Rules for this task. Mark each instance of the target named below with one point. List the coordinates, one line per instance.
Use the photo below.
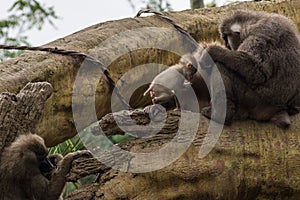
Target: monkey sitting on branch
(260, 67)
(28, 173)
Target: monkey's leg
(156, 112)
(260, 110)
(294, 105)
(276, 114)
(222, 96)
(281, 119)
(217, 115)
(58, 179)
(176, 103)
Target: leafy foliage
(75, 144)
(25, 15)
(70, 145)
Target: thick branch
(57, 120)
(260, 162)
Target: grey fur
(171, 81)
(261, 65)
(20, 174)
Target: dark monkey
(27, 173)
(260, 66)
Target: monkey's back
(274, 43)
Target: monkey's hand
(214, 52)
(55, 159)
(58, 179)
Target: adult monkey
(26, 171)
(261, 66)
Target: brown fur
(260, 66)
(20, 174)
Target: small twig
(169, 20)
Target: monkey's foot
(207, 112)
(281, 119)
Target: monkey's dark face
(189, 72)
(37, 155)
(232, 36)
(45, 165)
(232, 40)
(232, 28)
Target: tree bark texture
(20, 113)
(250, 161)
(57, 122)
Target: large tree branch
(57, 122)
(250, 161)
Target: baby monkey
(173, 80)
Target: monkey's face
(45, 164)
(189, 66)
(232, 41)
(232, 37)
(189, 72)
(233, 28)
(36, 155)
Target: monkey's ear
(236, 28)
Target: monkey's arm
(240, 62)
(58, 178)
